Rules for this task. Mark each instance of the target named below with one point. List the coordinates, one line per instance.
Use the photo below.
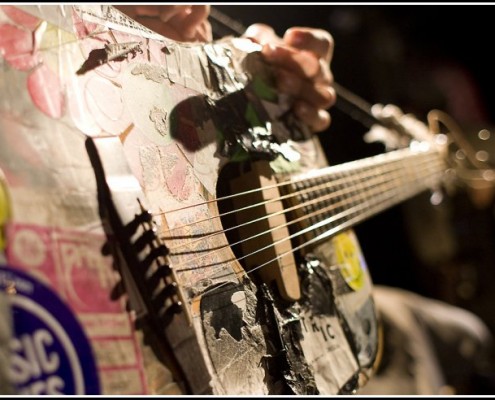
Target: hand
(302, 62)
(185, 23)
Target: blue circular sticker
(50, 353)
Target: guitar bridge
(264, 232)
(154, 269)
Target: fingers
(316, 119)
(318, 41)
(311, 99)
(204, 32)
(197, 16)
(301, 62)
(318, 95)
(279, 54)
(309, 60)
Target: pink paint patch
(46, 92)
(176, 180)
(16, 45)
(69, 261)
(21, 17)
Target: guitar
(191, 225)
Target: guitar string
(379, 160)
(296, 194)
(328, 221)
(425, 165)
(347, 224)
(325, 209)
(333, 195)
(309, 190)
(359, 173)
(335, 217)
(388, 198)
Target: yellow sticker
(349, 260)
(4, 211)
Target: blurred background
(418, 57)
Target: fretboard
(336, 198)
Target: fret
(350, 198)
(339, 197)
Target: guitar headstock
(470, 164)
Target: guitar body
(189, 120)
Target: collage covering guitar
(171, 227)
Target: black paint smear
(224, 313)
(99, 57)
(317, 291)
(228, 114)
(194, 108)
(350, 386)
(287, 372)
(95, 59)
(286, 335)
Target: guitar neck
(336, 198)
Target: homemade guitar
(173, 176)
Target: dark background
(418, 57)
